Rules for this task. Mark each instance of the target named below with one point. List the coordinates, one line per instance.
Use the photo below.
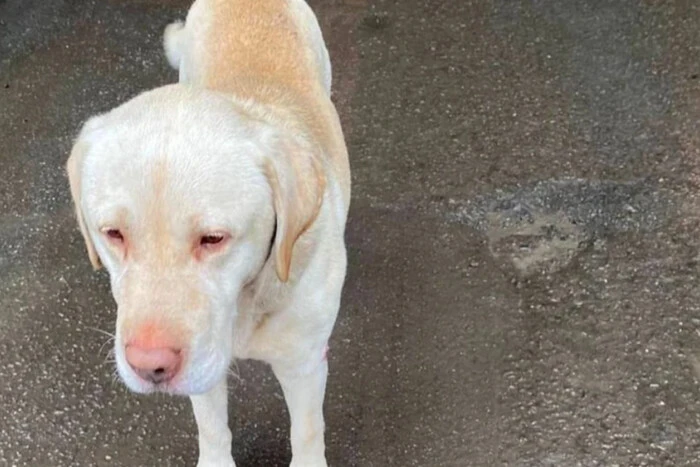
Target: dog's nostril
(157, 365)
(157, 376)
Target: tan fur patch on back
(256, 39)
(254, 50)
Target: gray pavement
(523, 241)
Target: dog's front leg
(211, 413)
(304, 391)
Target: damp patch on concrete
(545, 244)
(542, 227)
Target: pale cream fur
(248, 144)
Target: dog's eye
(211, 244)
(211, 239)
(114, 234)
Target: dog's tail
(173, 42)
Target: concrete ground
(523, 240)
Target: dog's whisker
(110, 357)
(114, 377)
(234, 371)
(102, 331)
(234, 374)
(102, 347)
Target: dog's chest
(253, 330)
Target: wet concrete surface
(523, 241)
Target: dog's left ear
(297, 180)
(74, 167)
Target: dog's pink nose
(157, 365)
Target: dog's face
(183, 198)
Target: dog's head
(184, 197)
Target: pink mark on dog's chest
(324, 355)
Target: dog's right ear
(74, 167)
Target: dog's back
(268, 51)
(226, 42)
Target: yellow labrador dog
(218, 206)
